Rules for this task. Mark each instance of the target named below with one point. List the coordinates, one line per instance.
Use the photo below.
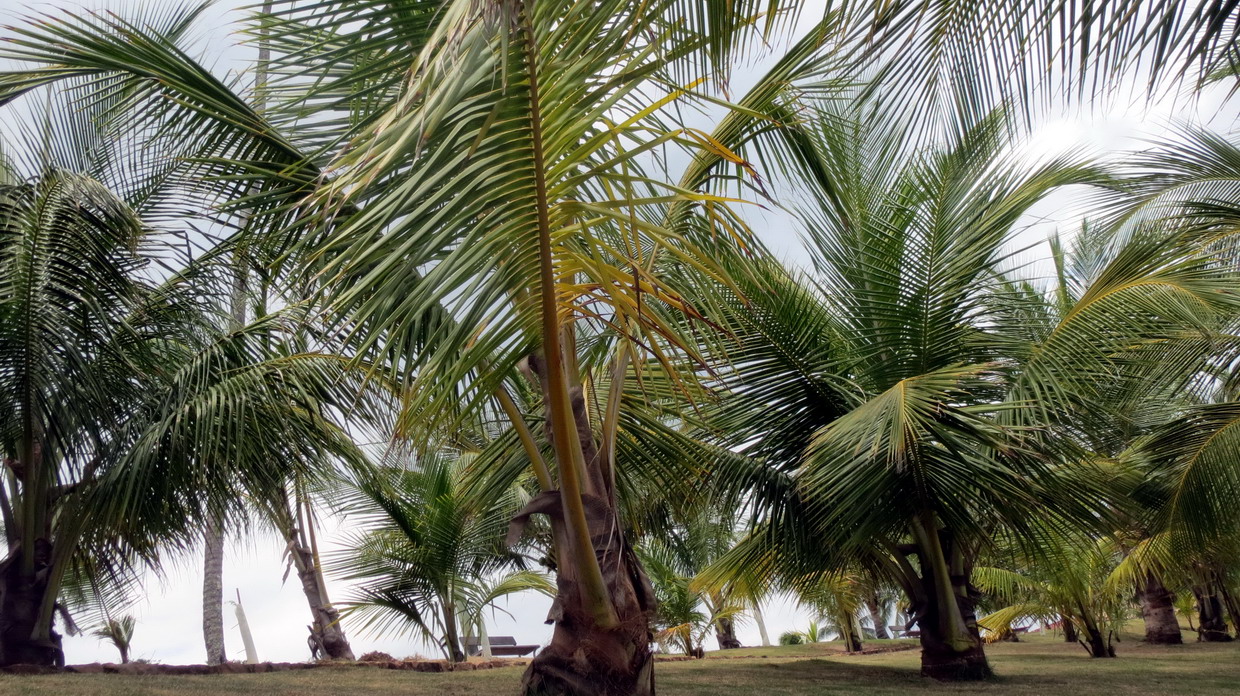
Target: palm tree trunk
(1212, 626)
(22, 593)
(452, 640)
(1069, 629)
(213, 591)
(484, 641)
(1233, 607)
(725, 633)
(326, 630)
(604, 602)
(849, 633)
(757, 618)
(1096, 643)
(877, 618)
(1158, 611)
(951, 646)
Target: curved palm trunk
(1097, 644)
(326, 631)
(327, 636)
(758, 619)
(1158, 612)
(213, 591)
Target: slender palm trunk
(1158, 612)
(758, 619)
(451, 638)
(124, 653)
(326, 632)
(877, 618)
(1233, 607)
(484, 641)
(213, 591)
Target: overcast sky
(169, 618)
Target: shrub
(376, 656)
(791, 638)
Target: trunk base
(20, 598)
(944, 664)
(1162, 627)
(596, 667)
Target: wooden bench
(501, 646)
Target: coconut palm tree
(119, 632)
(887, 395)
(430, 556)
(460, 328)
(1067, 583)
(127, 392)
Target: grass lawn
(1039, 665)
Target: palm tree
(126, 394)
(119, 632)
(567, 245)
(674, 557)
(1067, 583)
(888, 396)
(427, 550)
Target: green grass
(1039, 665)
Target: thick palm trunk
(1212, 626)
(22, 593)
(1158, 612)
(725, 633)
(213, 591)
(604, 602)
(951, 646)
(587, 657)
